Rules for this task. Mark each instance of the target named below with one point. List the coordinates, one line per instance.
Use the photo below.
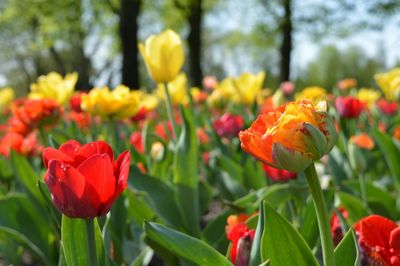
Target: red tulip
(84, 180)
(75, 102)
(136, 141)
(379, 240)
(241, 238)
(228, 125)
(336, 226)
(278, 175)
(348, 106)
(386, 107)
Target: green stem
(91, 242)
(363, 189)
(322, 215)
(170, 112)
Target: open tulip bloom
(84, 180)
(291, 138)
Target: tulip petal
(122, 169)
(70, 147)
(98, 172)
(375, 231)
(290, 160)
(51, 153)
(96, 147)
(260, 147)
(69, 191)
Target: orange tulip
(363, 141)
(291, 137)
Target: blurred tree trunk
(286, 45)
(195, 42)
(83, 66)
(193, 12)
(128, 29)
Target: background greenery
(98, 39)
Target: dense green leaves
(18, 216)
(184, 246)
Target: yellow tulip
(118, 103)
(248, 86)
(176, 89)
(368, 96)
(6, 97)
(389, 83)
(147, 101)
(313, 93)
(243, 89)
(163, 55)
(54, 86)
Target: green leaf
(279, 236)
(353, 205)
(184, 246)
(160, 196)
(27, 177)
(18, 217)
(254, 175)
(73, 236)
(346, 252)
(186, 178)
(309, 224)
(380, 201)
(390, 153)
(255, 253)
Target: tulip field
(230, 173)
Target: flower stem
(322, 215)
(91, 242)
(363, 189)
(170, 112)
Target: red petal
(69, 191)
(97, 147)
(53, 154)
(375, 231)
(122, 169)
(98, 172)
(395, 239)
(70, 147)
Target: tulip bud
(163, 55)
(244, 248)
(157, 151)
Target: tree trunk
(83, 66)
(128, 29)
(194, 41)
(286, 45)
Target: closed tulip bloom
(291, 137)
(163, 55)
(84, 180)
(348, 106)
(313, 93)
(248, 85)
